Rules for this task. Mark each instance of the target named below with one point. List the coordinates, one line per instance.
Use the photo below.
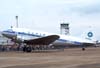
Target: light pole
(16, 21)
(16, 27)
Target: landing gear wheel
(28, 49)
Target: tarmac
(69, 58)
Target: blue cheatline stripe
(67, 41)
(78, 43)
(62, 40)
(22, 33)
(9, 31)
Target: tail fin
(88, 35)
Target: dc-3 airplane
(38, 38)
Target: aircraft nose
(8, 34)
(4, 33)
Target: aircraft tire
(28, 49)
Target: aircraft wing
(42, 41)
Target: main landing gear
(27, 49)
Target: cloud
(87, 7)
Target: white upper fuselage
(27, 34)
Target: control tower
(64, 28)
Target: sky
(47, 15)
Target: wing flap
(42, 41)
